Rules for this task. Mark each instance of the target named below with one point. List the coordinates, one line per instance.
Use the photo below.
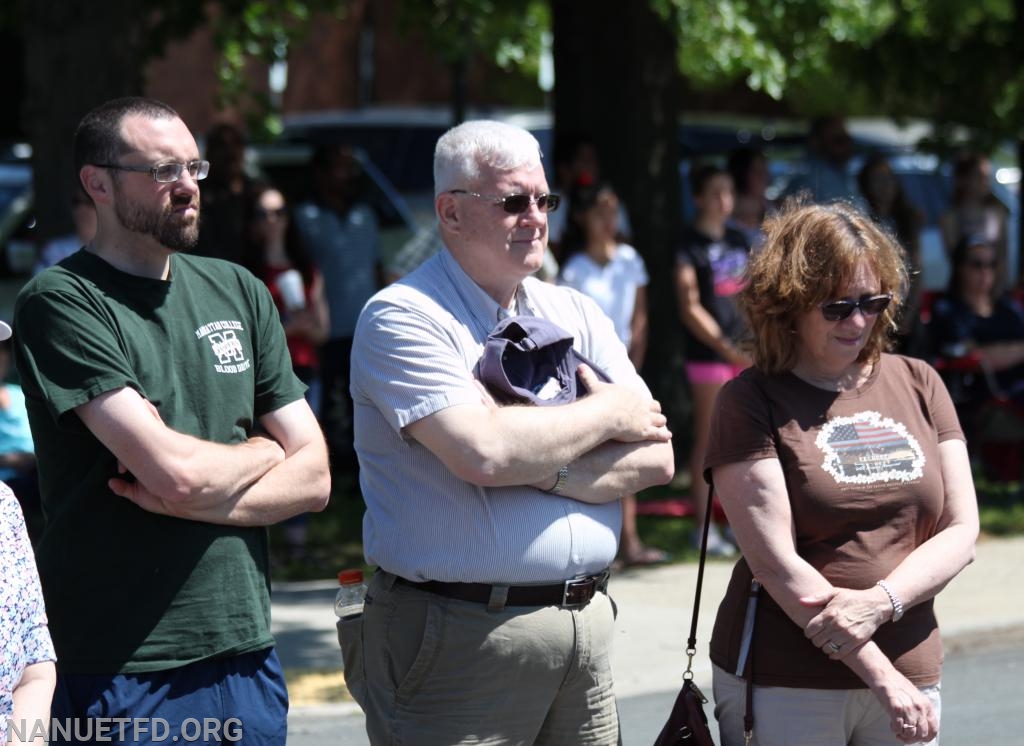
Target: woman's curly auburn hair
(809, 256)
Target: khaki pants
(785, 716)
(429, 670)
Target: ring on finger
(909, 726)
(833, 648)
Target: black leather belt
(571, 594)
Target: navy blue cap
(530, 360)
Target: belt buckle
(577, 592)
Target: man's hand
(637, 417)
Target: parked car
(17, 221)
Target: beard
(171, 231)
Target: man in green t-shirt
(170, 430)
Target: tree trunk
(78, 53)
(615, 81)
(1018, 281)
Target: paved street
(981, 615)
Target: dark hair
(567, 145)
(253, 255)
(225, 149)
(738, 165)
(701, 174)
(582, 196)
(98, 136)
(326, 155)
(964, 164)
(820, 125)
(958, 259)
(906, 219)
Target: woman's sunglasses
(869, 305)
(517, 204)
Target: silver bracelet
(563, 477)
(897, 605)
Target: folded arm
(922, 573)
(614, 469)
(753, 494)
(258, 482)
(504, 446)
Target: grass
(335, 535)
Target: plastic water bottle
(349, 600)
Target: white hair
(463, 150)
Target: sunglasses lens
(874, 306)
(841, 309)
(548, 202)
(516, 203)
(838, 310)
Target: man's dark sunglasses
(869, 305)
(517, 204)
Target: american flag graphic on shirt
(867, 447)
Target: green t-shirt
(128, 590)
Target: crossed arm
(753, 495)
(614, 440)
(261, 481)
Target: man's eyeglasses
(165, 173)
(869, 305)
(982, 264)
(517, 204)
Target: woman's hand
(912, 717)
(847, 619)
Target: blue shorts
(239, 699)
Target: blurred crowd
(321, 259)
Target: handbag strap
(691, 642)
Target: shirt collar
(486, 311)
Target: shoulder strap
(691, 642)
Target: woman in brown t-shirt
(845, 476)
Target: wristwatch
(563, 477)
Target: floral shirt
(24, 636)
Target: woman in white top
(611, 272)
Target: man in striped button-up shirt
(477, 515)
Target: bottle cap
(348, 577)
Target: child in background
(708, 275)
(611, 272)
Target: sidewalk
(654, 605)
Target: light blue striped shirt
(416, 347)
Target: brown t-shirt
(864, 482)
